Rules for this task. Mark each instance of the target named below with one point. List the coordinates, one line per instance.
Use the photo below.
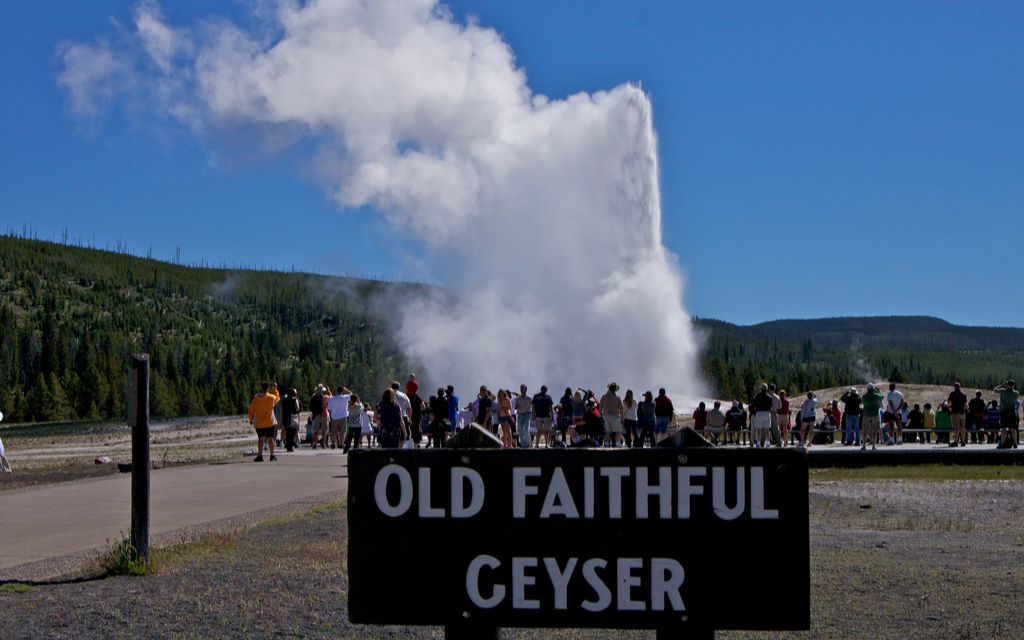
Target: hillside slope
(71, 316)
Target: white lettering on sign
(718, 494)
(615, 475)
(757, 510)
(520, 581)
(473, 583)
(626, 581)
(666, 579)
(520, 489)
(604, 596)
(588, 492)
(664, 575)
(645, 490)
(380, 490)
(427, 511)
(460, 475)
(558, 500)
(687, 489)
(559, 496)
(560, 580)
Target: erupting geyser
(542, 215)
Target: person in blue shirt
(453, 407)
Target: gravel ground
(889, 559)
(48, 453)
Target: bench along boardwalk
(664, 539)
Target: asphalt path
(76, 518)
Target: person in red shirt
(411, 387)
(700, 418)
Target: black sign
(657, 538)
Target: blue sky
(818, 158)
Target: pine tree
(59, 408)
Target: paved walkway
(76, 517)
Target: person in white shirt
(894, 408)
(366, 424)
(716, 422)
(337, 407)
(405, 404)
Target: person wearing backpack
(389, 419)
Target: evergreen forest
(71, 316)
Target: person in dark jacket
(851, 422)
(439, 423)
(761, 422)
(389, 419)
(290, 409)
(976, 417)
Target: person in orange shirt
(261, 416)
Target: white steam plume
(542, 215)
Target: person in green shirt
(872, 401)
(943, 423)
(1008, 398)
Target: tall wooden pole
(138, 420)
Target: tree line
(71, 316)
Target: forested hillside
(70, 317)
(815, 354)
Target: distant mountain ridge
(820, 353)
(919, 332)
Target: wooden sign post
(138, 420)
(657, 539)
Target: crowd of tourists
(865, 419)
(405, 417)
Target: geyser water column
(542, 215)
(561, 273)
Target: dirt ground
(46, 453)
(895, 559)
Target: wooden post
(138, 420)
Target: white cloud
(161, 42)
(549, 208)
(92, 75)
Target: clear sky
(818, 158)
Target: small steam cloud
(862, 367)
(543, 215)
